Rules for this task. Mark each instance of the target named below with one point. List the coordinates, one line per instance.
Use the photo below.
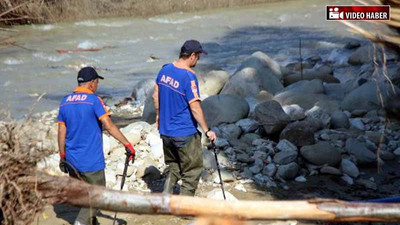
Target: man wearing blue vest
(80, 138)
(176, 98)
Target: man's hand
(158, 122)
(63, 163)
(211, 135)
(130, 151)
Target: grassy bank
(14, 12)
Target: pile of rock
(276, 123)
(314, 149)
(149, 157)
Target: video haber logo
(374, 12)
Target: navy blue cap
(88, 74)
(191, 46)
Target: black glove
(211, 146)
(63, 165)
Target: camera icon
(334, 14)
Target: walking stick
(123, 179)
(219, 170)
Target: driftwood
(64, 51)
(67, 190)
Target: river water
(229, 35)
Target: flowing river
(136, 48)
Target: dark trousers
(184, 158)
(87, 216)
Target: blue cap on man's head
(191, 46)
(88, 74)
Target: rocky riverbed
(283, 132)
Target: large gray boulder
(393, 71)
(149, 113)
(299, 133)
(203, 68)
(321, 153)
(285, 157)
(307, 100)
(349, 168)
(256, 74)
(295, 112)
(339, 119)
(320, 114)
(353, 44)
(271, 116)
(257, 167)
(365, 96)
(230, 131)
(261, 60)
(220, 109)
(249, 138)
(357, 123)
(335, 91)
(360, 151)
(269, 170)
(254, 101)
(285, 145)
(323, 73)
(306, 86)
(248, 125)
(143, 89)
(212, 82)
(330, 170)
(361, 55)
(288, 171)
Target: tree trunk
(67, 190)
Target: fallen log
(219, 221)
(65, 51)
(67, 190)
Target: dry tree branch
(28, 116)
(363, 2)
(14, 8)
(380, 98)
(384, 70)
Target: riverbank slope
(38, 11)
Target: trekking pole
(123, 180)
(219, 170)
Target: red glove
(130, 151)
